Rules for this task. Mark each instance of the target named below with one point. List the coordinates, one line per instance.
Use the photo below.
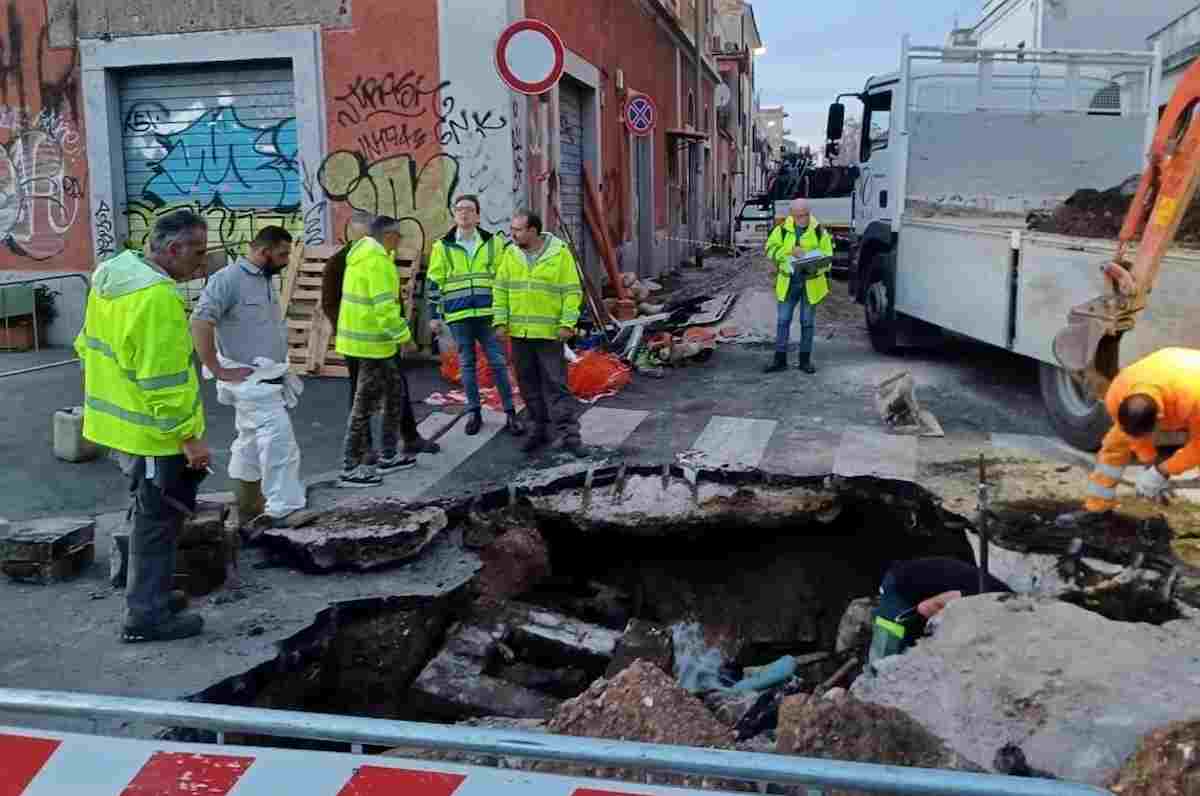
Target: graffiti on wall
(395, 186)
(39, 200)
(518, 147)
(106, 242)
(394, 117)
(239, 176)
(40, 190)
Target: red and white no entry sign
(530, 56)
(640, 115)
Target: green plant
(44, 299)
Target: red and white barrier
(35, 763)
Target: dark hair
(174, 226)
(1138, 415)
(382, 225)
(270, 237)
(469, 197)
(531, 218)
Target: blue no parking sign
(640, 115)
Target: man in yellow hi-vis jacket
(371, 327)
(536, 301)
(801, 251)
(142, 399)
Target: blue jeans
(466, 333)
(797, 297)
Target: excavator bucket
(1090, 353)
(1076, 343)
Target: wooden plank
(323, 251)
(309, 281)
(318, 342)
(306, 295)
(289, 277)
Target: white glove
(1152, 484)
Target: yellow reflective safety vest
(141, 393)
(779, 248)
(535, 300)
(460, 286)
(371, 323)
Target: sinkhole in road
(721, 571)
(709, 574)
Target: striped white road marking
(865, 451)
(732, 442)
(608, 428)
(457, 447)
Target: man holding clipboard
(802, 252)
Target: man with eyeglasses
(462, 270)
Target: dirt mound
(1089, 213)
(847, 729)
(642, 703)
(1166, 763)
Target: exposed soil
(1089, 213)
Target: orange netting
(595, 374)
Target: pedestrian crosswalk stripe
(865, 451)
(732, 442)
(608, 428)
(457, 447)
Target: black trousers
(542, 373)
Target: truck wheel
(881, 320)
(1077, 417)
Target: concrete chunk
(364, 539)
(70, 565)
(454, 684)
(47, 540)
(542, 635)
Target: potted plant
(45, 301)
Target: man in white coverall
(241, 338)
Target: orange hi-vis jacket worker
(1170, 378)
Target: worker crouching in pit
(1159, 393)
(801, 250)
(913, 592)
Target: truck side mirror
(836, 121)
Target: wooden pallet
(310, 335)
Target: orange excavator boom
(1089, 346)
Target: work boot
(805, 364)
(536, 440)
(181, 625)
(421, 445)
(778, 364)
(250, 500)
(514, 425)
(474, 423)
(177, 601)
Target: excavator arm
(1089, 346)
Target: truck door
(873, 200)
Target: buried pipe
(734, 765)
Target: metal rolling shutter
(221, 141)
(570, 178)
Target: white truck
(964, 143)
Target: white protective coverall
(265, 448)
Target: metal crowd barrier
(730, 765)
(87, 285)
